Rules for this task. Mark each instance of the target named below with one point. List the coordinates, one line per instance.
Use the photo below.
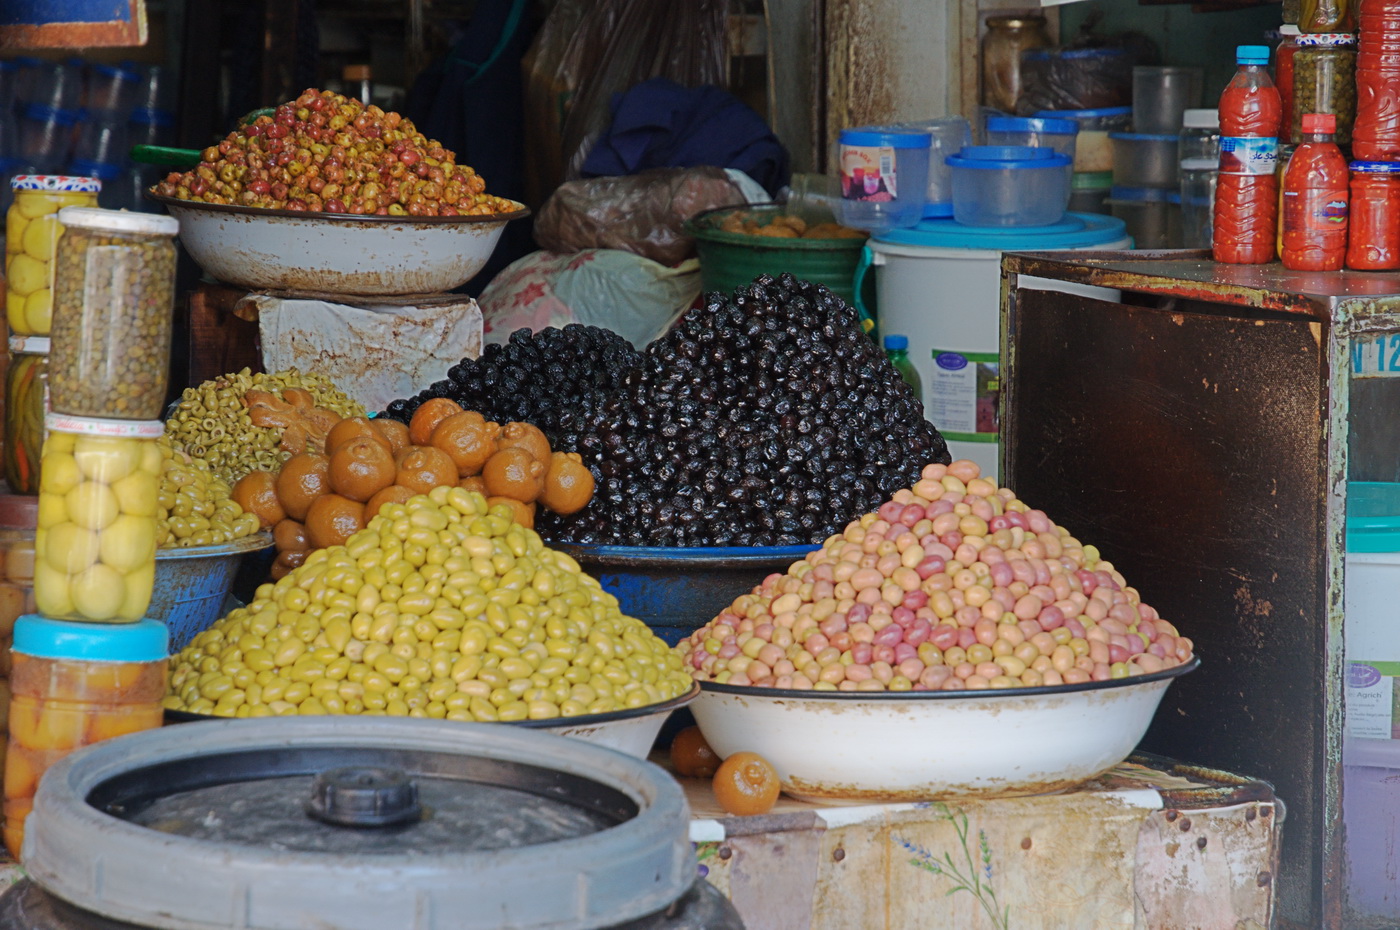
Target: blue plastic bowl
(676, 591)
(191, 585)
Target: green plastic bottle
(897, 351)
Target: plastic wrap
(685, 42)
(641, 213)
(635, 297)
(1075, 79)
(586, 51)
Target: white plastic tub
(1009, 185)
(940, 285)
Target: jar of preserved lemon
(26, 403)
(72, 685)
(31, 234)
(95, 550)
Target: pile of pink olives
(953, 584)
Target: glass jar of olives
(72, 685)
(95, 549)
(31, 230)
(114, 288)
(1324, 81)
(26, 402)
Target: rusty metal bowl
(676, 590)
(918, 745)
(365, 256)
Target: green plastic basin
(729, 260)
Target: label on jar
(962, 394)
(1248, 154)
(868, 173)
(91, 426)
(1371, 698)
(1377, 357)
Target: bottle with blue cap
(897, 351)
(72, 685)
(1246, 196)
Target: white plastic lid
(29, 345)
(1200, 119)
(145, 224)
(1289, 29)
(92, 426)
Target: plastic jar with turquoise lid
(884, 176)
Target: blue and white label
(1370, 700)
(962, 391)
(1248, 154)
(1376, 357)
(950, 361)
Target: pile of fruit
(954, 584)
(195, 507)
(763, 418)
(214, 422)
(784, 226)
(441, 607)
(321, 497)
(326, 153)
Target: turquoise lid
(143, 641)
(1075, 231)
(1373, 516)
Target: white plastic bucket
(947, 300)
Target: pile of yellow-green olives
(441, 607)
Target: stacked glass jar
(88, 666)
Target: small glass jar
(73, 685)
(1373, 223)
(113, 302)
(31, 232)
(95, 549)
(16, 600)
(1006, 38)
(1324, 81)
(26, 403)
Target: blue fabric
(660, 124)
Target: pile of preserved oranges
(321, 498)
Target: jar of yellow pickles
(31, 235)
(95, 550)
(26, 403)
(72, 685)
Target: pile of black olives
(763, 418)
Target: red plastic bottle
(1315, 198)
(1375, 136)
(1246, 195)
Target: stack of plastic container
(152, 122)
(87, 666)
(51, 110)
(1093, 154)
(102, 148)
(1199, 148)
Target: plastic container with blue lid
(884, 176)
(1152, 214)
(1092, 151)
(75, 684)
(1058, 134)
(1145, 159)
(1009, 185)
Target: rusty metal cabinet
(1201, 432)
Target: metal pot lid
(359, 824)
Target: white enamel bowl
(909, 746)
(333, 253)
